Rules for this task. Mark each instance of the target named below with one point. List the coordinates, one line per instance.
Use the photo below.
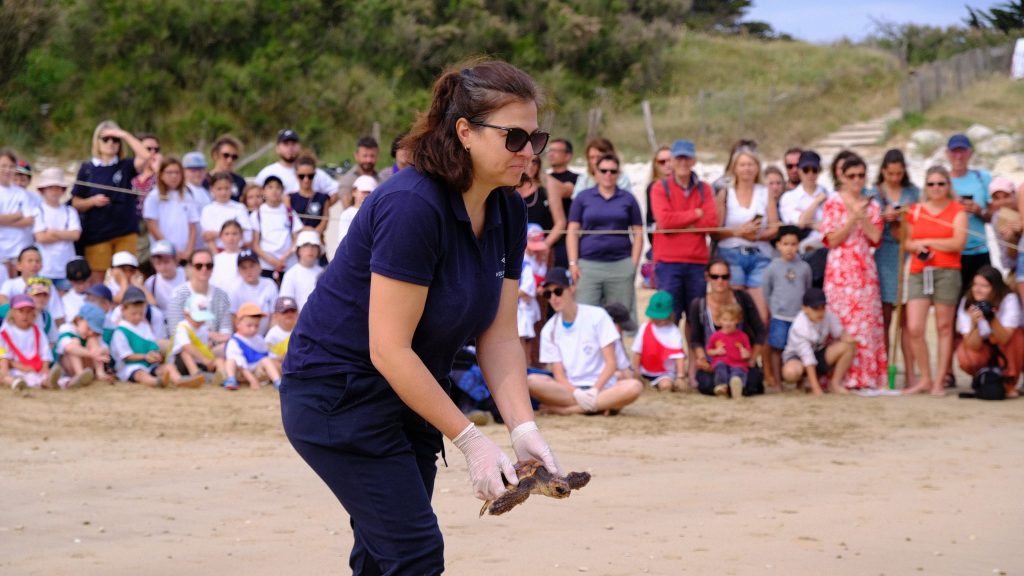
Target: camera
(986, 310)
(924, 255)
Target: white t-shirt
(1009, 315)
(275, 336)
(225, 271)
(25, 341)
(181, 338)
(232, 351)
(737, 215)
(72, 302)
(578, 347)
(793, 203)
(263, 294)
(528, 311)
(12, 240)
(157, 321)
(56, 255)
(668, 336)
(15, 286)
(28, 233)
(61, 343)
(299, 282)
(322, 182)
(345, 221)
(173, 216)
(163, 289)
(276, 226)
(120, 349)
(202, 197)
(216, 214)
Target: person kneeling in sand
(809, 351)
(578, 344)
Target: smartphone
(966, 198)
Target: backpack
(988, 381)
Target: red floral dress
(851, 286)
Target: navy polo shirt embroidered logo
(116, 179)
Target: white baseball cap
(162, 248)
(365, 183)
(125, 259)
(198, 307)
(308, 237)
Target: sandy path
(120, 480)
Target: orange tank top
(928, 225)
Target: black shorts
(822, 368)
(180, 365)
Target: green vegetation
(190, 71)
(995, 103)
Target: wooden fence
(928, 84)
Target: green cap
(660, 306)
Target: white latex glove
(587, 399)
(528, 443)
(486, 463)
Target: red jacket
(677, 210)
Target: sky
(829, 20)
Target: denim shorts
(746, 266)
(778, 333)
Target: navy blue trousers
(683, 281)
(379, 458)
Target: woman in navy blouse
(431, 261)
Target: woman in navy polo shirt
(110, 220)
(432, 260)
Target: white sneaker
(53, 378)
(19, 384)
(736, 387)
(83, 379)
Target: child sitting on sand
(246, 352)
(817, 345)
(136, 351)
(658, 347)
(729, 350)
(27, 356)
(80, 346)
(286, 314)
(191, 348)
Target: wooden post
(375, 131)
(649, 125)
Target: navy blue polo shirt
(594, 212)
(414, 230)
(313, 206)
(118, 218)
(237, 186)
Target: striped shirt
(220, 305)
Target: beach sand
(125, 480)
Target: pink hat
(1001, 184)
(535, 238)
(22, 301)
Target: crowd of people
(165, 271)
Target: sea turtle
(534, 478)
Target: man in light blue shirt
(971, 186)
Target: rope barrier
(713, 230)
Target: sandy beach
(125, 480)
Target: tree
(1006, 18)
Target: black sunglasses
(305, 176)
(936, 184)
(810, 170)
(719, 276)
(556, 291)
(202, 265)
(109, 139)
(516, 138)
(790, 166)
(227, 156)
(152, 149)
(664, 160)
(608, 170)
(857, 175)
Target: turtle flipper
(508, 501)
(577, 480)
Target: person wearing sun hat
(246, 353)
(56, 226)
(300, 280)
(191, 347)
(27, 355)
(1006, 220)
(658, 347)
(578, 344)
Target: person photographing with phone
(432, 259)
(971, 187)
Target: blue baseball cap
(959, 141)
(194, 160)
(684, 148)
(93, 315)
(100, 291)
(558, 275)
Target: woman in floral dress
(852, 225)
